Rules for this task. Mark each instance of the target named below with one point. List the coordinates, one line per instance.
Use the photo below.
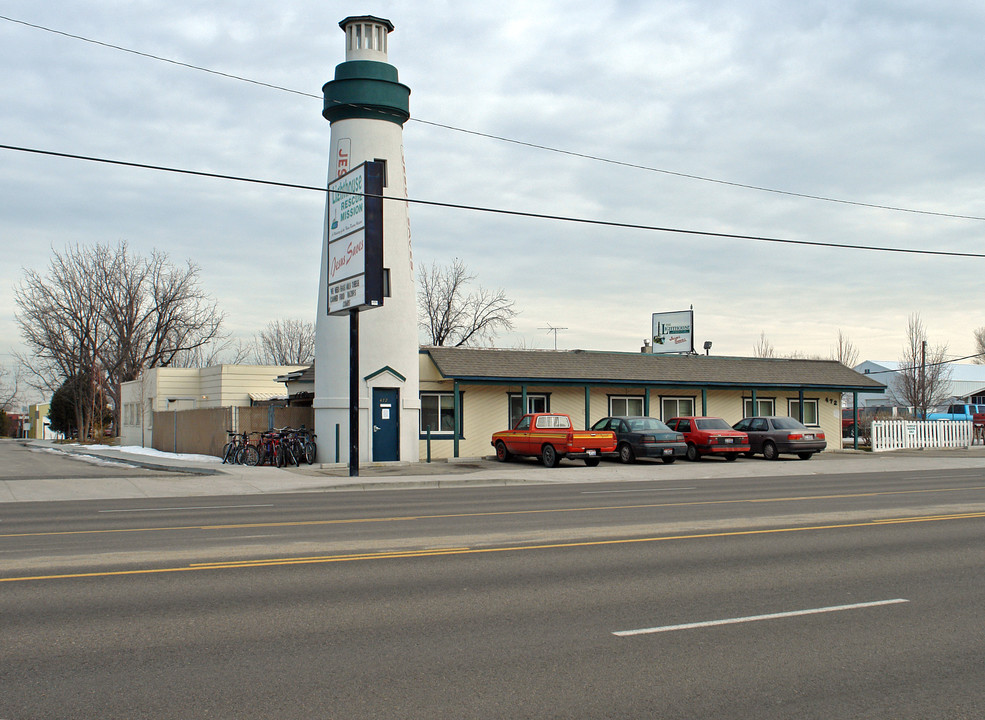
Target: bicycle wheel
(251, 456)
(310, 451)
(227, 451)
(279, 459)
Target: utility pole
(923, 380)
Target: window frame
(626, 398)
(519, 398)
(442, 434)
(791, 412)
(747, 402)
(677, 399)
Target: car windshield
(642, 424)
(712, 424)
(782, 423)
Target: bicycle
(309, 449)
(269, 448)
(290, 448)
(249, 453)
(231, 449)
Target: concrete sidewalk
(182, 477)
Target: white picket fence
(910, 434)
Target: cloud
(871, 102)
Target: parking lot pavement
(184, 476)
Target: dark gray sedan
(644, 437)
(774, 435)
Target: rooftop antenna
(551, 329)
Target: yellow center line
(449, 516)
(439, 552)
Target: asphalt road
(20, 463)
(813, 597)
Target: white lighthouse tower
(367, 107)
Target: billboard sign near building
(673, 332)
(355, 240)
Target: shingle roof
(596, 367)
(305, 375)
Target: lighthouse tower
(367, 107)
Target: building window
(383, 162)
(764, 407)
(438, 412)
(676, 407)
(535, 404)
(810, 411)
(625, 406)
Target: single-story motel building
(489, 389)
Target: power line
(157, 57)
(927, 365)
(500, 138)
(500, 211)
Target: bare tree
(924, 376)
(221, 350)
(979, 359)
(9, 381)
(763, 348)
(286, 342)
(450, 314)
(104, 314)
(61, 322)
(845, 351)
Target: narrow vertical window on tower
(383, 162)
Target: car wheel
(626, 454)
(804, 455)
(668, 460)
(502, 454)
(592, 461)
(731, 457)
(692, 453)
(549, 456)
(769, 451)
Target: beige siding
(485, 410)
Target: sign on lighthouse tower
(366, 263)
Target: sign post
(355, 267)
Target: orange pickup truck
(550, 437)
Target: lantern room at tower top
(366, 85)
(365, 37)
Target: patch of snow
(137, 450)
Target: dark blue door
(386, 424)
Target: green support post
(588, 407)
(704, 401)
(458, 410)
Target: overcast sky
(866, 103)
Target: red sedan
(710, 436)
